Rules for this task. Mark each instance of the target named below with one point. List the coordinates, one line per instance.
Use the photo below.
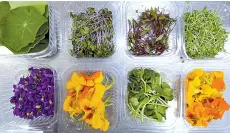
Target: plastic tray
(78, 7)
(215, 125)
(224, 12)
(129, 12)
(117, 66)
(112, 111)
(8, 121)
(52, 47)
(172, 113)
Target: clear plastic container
(51, 49)
(70, 126)
(10, 75)
(172, 113)
(129, 12)
(224, 12)
(81, 6)
(215, 125)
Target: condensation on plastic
(68, 125)
(172, 77)
(81, 6)
(216, 125)
(224, 12)
(10, 75)
(52, 47)
(129, 12)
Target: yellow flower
(67, 103)
(195, 73)
(98, 94)
(218, 74)
(99, 79)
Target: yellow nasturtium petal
(66, 105)
(199, 72)
(99, 79)
(98, 95)
(78, 87)
(75, 77)
(82, 80)
(105, 126)
(89, 83)
(97, 122)
(196, 82)
(70, 85)
(219, 74)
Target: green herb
(204, 35)
(148, 95)
(149, 34)
(24, 27)
(92, 34)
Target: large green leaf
(20, 27)
(41, 46)
(32, 45)
(4, 9)
(39, 5)
(43, 28)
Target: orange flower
(218, 83)
(85, 94)
(204, 99)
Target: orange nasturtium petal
(95, 75)
(218, 83)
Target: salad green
(148, 95)
(24, 27)
(204, 34)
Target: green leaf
(161, 109)
(43, 29)
(46, 14)
(41, 8)
(165, 85)
(20, 27)
(40, 47)
(31, 45)
(134, 101)
(39, 5)
(160, 37)
(159, 116)
(4, 8)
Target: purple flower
(34, 94)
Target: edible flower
(34, 94)
(84, 98)
(204, 98)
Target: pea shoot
(148, 95)
(92, 33)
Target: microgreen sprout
(92, 33)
